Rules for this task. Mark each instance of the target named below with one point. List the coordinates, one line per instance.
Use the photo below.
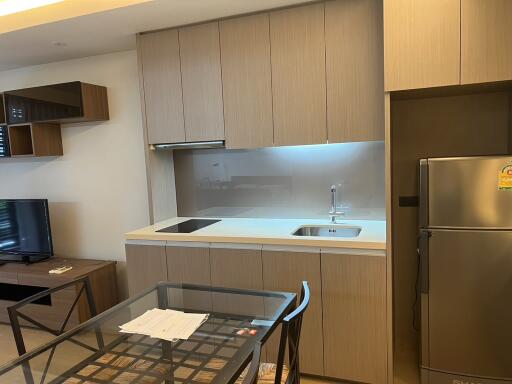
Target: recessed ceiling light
(8, 7)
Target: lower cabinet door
(146, 265)
(285, 271)
(354, 322)
(237, 268)
(189, 265)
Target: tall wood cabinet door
(354, 322)
(285, 271)
(298, 75)
(202, 82)
(159, 59)
(355, 74)
(246, 81)
(146, 265)
(421, 43)
(237, 268)
(486, 40)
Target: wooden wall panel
(389, 235)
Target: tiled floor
(35, 338)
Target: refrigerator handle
(423, 240)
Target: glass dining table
(217, 352)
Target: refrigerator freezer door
(470, 303)
(464, 193)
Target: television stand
(18, 281)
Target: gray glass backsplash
(284, 182)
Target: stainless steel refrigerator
(465, 246)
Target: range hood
(191, 145)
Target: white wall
(97, 190)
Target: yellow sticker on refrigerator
(505, 178)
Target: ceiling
(77, 28)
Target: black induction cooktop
(189, 226)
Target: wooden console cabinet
(18, 280)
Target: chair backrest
(290, 334)
(83, 286)
(252, 374)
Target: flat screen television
(25, 233)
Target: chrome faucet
(334, 213)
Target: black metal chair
(279, 373)
(83, 287)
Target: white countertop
(268, 232)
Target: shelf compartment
(20, 140)
(35, 139)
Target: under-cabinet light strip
(196, 144)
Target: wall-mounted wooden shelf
(58, 103)
(33, 116)
(35, 139)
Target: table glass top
(97, 352)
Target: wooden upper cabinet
(202, 82)
(247, 81)
(355, 74)
(298, 75)
(421, 43)
(160, 63)
(486, 41)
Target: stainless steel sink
(327, 231)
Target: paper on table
(165, 324)
(144, 322)
(178, 326)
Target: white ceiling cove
(113, 30)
